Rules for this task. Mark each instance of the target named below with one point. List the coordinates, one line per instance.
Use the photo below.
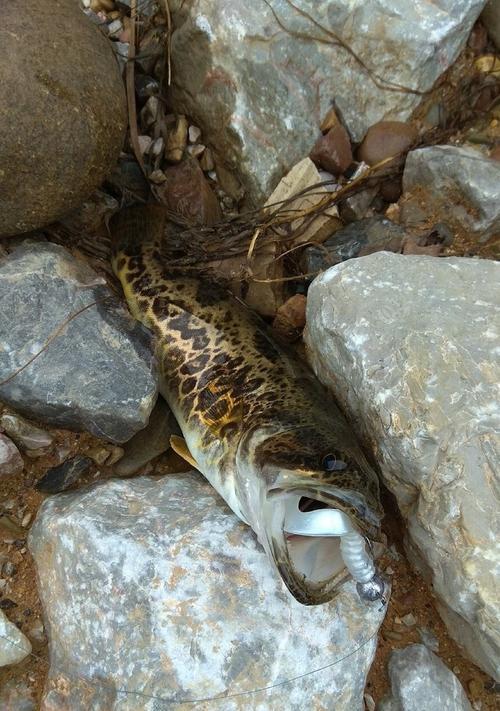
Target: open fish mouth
(317, 546)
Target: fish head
(305, 471)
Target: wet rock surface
(70, 119)
(420, 680)
(187, 607)
(14, 645)
(460, 183)
(259, 89)
(97, 374)
(408, 345)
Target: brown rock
(64, 122)
(391, 190)
(385, 139)
(333, 150)
(291, 317)
(176, 140)
(187, 194)
(495, 153)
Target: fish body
(258, 424)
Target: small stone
(176, 140)
(3, 583)
(196, 150)
(37, 632)
(26, 435)
(144, 143)
(194, 134)
(115, 27)
(475, 687)
(26, 520)
(62, 477)
(187, 194)
(157, 147)
(149, 112)
(14, 645)
(9, 529)
(385, 139)
(429, 639)
(409, 620)
(332, 151)
(98, 454)
(389, 570)
(146, 86)
(207, 163)
(290, 318)
(329, 121)
(115, 454)
(11, 462)
(9, 569)
(369, 702)
(157, 177)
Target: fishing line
(219, 697)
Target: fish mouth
(311, 566)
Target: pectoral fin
(180, 447)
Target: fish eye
(332, 464)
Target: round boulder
(385, 139)
(63, 117)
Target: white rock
(14, 645)
(411, 347)
(260, 92)
(420, 680)
(459, 183)
(154, 586)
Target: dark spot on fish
(188, 385)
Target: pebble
(157, 177)
(157, 147)
(429, 639)
(26, 435)
(11, 462)
(385, 139)
(9, 529)
(290, 318)
(176, 140)
(115, 27)
(62, 477)
(369, 702)
(14, 645)
(196, 150)
(207, 163)
(188, 194)
(194, 134)
(149, 112)
(8, 569)
(332, 151)
(146, 86)
(26, 520)
(144, 143)
(475, 687)
(409, 620)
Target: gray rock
(65, 475)
(96, 373)
(410, 346)
(25, 434)
(16, 696)
(362, 237)
(259, 91)
(420, 680)
(169, 595)
(458, 183)
(491, 20)
(11, 461)
(14, 645)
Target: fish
(254, 419)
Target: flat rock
(420, 680)
(459, 185)
(258, 78)
(410, 346)
(64, 122)
(14, 645)
(97, 373)
(152, 585)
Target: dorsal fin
(180, 447)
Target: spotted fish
(257, 423)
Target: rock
(171, 596)
(176, 140)
(65, 475)
(11, 462)
(25, 434)
(14, 645)
(490, 18)
(420, 680)
(409, 344)
(150, 442)
(385, 139)
(64, 124)
(16, 696)
(258, 90)
(97, 372)
(291, 317)
(128, 179)
(459, 184)
(10, 531)
(333, 150)
(495, 153)
(187, 193)
(372, 234)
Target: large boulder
(70, 354)
(259, 77)
(410, 346)
(62, 115)
(155, 593)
